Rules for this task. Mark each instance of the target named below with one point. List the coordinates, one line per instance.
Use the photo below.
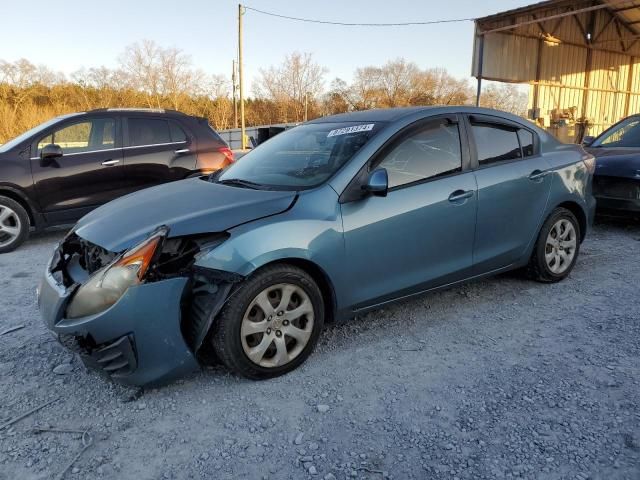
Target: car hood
(617, 162)
(187, 207)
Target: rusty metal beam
(551, 17)
(539, 24)
(587, 69)
(545, 83)
(573, 44)
(627, 100)
(606, 25)
(622, 45)
(632, 44)
(624, 9)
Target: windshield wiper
(242, 183)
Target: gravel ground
(503, 378)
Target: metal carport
(581, 59)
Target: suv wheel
(270, 324)
(557, 247)
(14, 224)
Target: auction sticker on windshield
(356, 128)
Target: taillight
(226, 151)
(590, 162)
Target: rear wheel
(557, 247)
(14, 224)
(270, 324)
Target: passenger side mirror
(377, 183)
(49, 153)
(588, 140)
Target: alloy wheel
(560, 248)
(277, 325)
(9, 226)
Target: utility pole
(235, 95)
(305, 106)
(240, 74)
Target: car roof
(139, 111)
(393, 114)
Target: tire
(249, 341)
(553, 257)
(14, 224)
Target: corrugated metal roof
(579, 56)
(628, 11)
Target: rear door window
(148, 131)
(495, 143)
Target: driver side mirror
(588, 140)
(49, 153)
(377, 183)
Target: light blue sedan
(330, 219)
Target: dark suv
(58, 171)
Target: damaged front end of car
(141, 316)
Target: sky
(75, 34)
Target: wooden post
(235, 94)
(480, 64)
(241, 75)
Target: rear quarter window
(526, 142)
(177, 133)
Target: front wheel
(557, 247)
(14, 224)
(270, 324)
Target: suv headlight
(106, 286)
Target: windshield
(24, 136)
(626, 134)
(302, 157)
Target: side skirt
(374, 306)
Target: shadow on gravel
(619, 223)
(48, 235)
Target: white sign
(356, 128)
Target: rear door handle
(460, 195)
(538, 174)
(181, 151)
(110, 163)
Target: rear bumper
(137, 341)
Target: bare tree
(506, 96)
(397, 82)
(142, 63)
(296, 80)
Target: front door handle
(460, 195)
(110, 163)
(538, 175)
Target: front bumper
(137, 341)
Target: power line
(348, 24)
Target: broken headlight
(106, 286)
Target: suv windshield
(626, 134)
(302, 157)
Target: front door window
(432, 151)
(92, 135)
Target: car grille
(616, 187)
